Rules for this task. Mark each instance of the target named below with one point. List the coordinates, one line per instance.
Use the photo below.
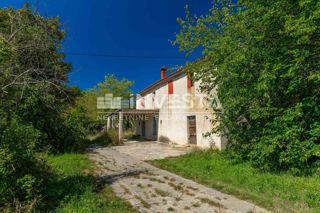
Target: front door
(192, 130)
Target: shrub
(62, 127)
(114, 136)
(74, 130)
(106, 138)
(286, 143)
(261, 60)
(100, 139)
(22, 171)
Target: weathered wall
(149, 127)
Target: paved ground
(151, 150)
(150, 189)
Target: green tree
(263, 59)
(29, 55)
(35, 104)
(34, 75)
(110, 85)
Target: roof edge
(161, 82)
(173, 75)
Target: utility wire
(126, 56)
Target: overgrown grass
(108, 138)
(277, 192)
(75, 189)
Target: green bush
(261, 58)
(286, 143)
(22, 171)
(74, 130)
(62, 127)
(106, 138)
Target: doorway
(192, 129)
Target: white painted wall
(172, 122)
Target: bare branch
(16, 32)
(14, 81)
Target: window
(170, 87)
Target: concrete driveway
(151, 150)
(150, 189)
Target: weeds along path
(150, 189)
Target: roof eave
(161, 82)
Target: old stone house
(175, 111)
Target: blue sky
(118, 27)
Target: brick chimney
(163, 72)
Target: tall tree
(29, 55)
(263, 59)
(33, 103)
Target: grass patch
(278, 192)
(70, 164)
(75, 189)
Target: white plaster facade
(172, 123)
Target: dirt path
(150, 189)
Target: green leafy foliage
(88, 99)
(262, 59)
(29, 52)
(62, 127)
(22, 174)
(36, 111)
